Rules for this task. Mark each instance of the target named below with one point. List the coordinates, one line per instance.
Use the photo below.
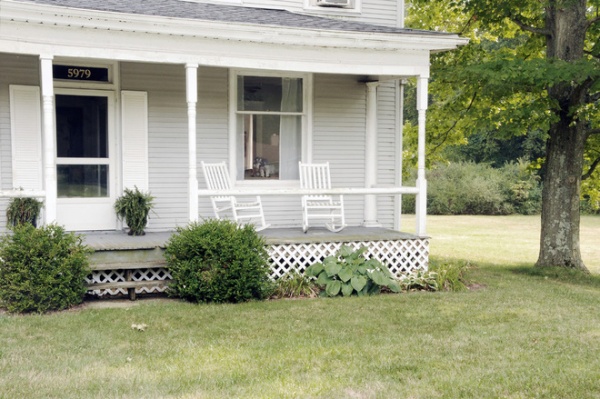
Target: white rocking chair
(325, 207)
(218, 179)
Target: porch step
(132, 271)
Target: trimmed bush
(218, 261)
(42, 269)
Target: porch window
(269, 127)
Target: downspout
(370, 212)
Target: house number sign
(79, 73)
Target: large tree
(532, 64)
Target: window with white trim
(269, 118)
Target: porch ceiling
(171, 31)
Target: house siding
(386, 150)
(14, 70)
(339, 135)
(167, 138)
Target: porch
(123, 264)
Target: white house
(98, 96)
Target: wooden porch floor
(118, 240)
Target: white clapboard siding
(134, 111)
(386, 149)
(339, 135)
(26, 137)
(167, 139)
(14, 69)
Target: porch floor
(118, 240)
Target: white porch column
(371, 156)
(47, 83)
(191, 75)
(421, 201)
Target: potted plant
(133, 207)
(23, 210)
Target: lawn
(520, 334)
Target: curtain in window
(290, 129)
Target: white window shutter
(134, 117)
(26, 137)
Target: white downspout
(371, 156)
(399, 151)
(191, 75)
(421, 201)
(47, 83)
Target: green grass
(523, 333)
(500, 240)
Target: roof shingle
(226, 13)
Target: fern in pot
(134, 207)
(22, 210)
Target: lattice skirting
(401, 257)
(122, 275)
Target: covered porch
(123, 264)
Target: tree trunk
(559, 244)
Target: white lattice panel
(401, 256)
(113, 276)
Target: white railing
(299, 191)
(22, 193)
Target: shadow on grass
(564, 275)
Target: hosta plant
(419, 280)
(350, 273)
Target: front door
(84, 169)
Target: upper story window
(269, 118)
(333, 6)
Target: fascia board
(277, 35)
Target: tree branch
(592, 22)
(591, 170)
(591, 132)
(591, 54)
(447, 133)
(528, 28)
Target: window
(269, 119)
(333, 6)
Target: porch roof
(228, 13)
(173, 31)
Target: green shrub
(218, 261)
(295, 285)
(351, 273)
(42, 269)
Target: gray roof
(226, 13)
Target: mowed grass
(519, 334)
(500, 240)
